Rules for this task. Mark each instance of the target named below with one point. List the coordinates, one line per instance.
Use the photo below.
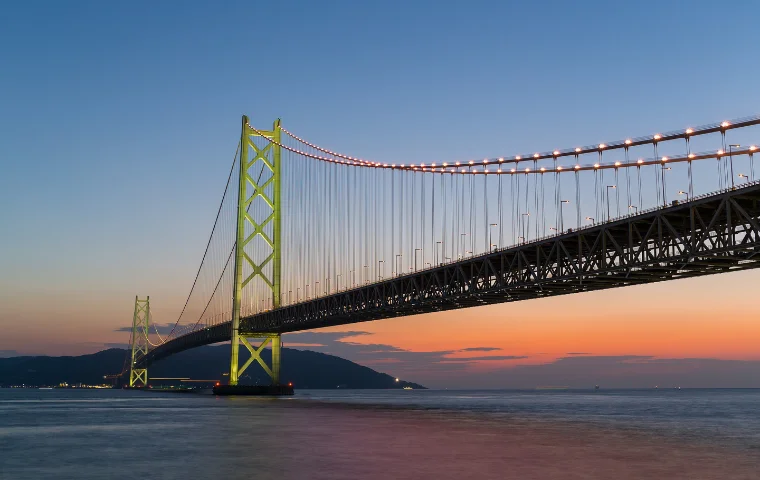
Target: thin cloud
(494, 357)
(480, 349)
(164, 329)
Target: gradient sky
(118, 123)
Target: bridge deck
(712, 234)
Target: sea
(381, 434)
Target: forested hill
(304, 368)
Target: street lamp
(379, 272)
(731, 159)
(461, 243)
(490, 231)
(636, 209)
(398, 263)
(681, 192)
(593, 220)
(745, 177)
(415, 257)
(436, 251)
(608, 200)
(366, 277)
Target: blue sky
(119, 120)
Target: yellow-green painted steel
(241, 258)
(138, 377)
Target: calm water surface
(83, 434)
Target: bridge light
(513, 170)
(471, 162)
(639, 161)
(445, 164)
(527, 170)
(501, 159)
(657, 136)
(721, 152)
(691, 155)
(689, 131)
(596, 165)
(498, 170)
(535, 155)
(577, 149)
(559, 168)
(664, 159)
(518, 157)
(458, 163)
(725, 124)
(628, 142)
(543, 169)
(617, 164)
(752, 148)
(556, 152)
(485, 160)
(601, 146)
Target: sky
(118, 123)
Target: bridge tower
(138, 377)
(259, 183)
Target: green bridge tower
(259, 182)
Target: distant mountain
(304, 368)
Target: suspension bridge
(305, 237)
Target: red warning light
(290, 384)
(217, 384)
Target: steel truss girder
(713, 234)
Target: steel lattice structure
(711, 234)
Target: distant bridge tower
(138, 377)
(260, 169)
